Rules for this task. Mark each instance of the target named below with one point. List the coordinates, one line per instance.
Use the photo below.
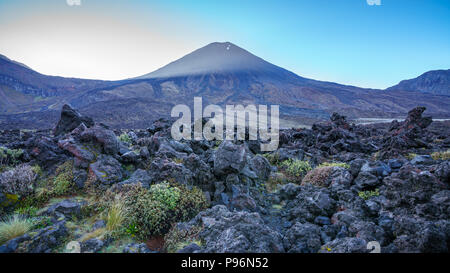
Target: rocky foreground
(333, 188)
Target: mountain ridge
(434, 82)
(221, 73)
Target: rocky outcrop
(106, 171)
(229, 158)
(386, 183)
(71, 119)
(235, 232)
(407, 134)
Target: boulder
(80, 177)
(106, 170)
(202, 175)
(103, 137)
(139, 176)
(79, 151)
(367, 180)
(422, 160)
(92, 246)
(69, 120)
(162, 169)
(261, 167)
(303, 238)
(406, 134)
(12, 245)
(130, 157)
(442, 172)
(229, 158)
(136, 248)
(377, 168)
(66, 208)
(345, 245)
(236, 232)
(47, 239)
(46, 152)
(309, 203)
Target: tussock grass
(115, 218)
(13, 227)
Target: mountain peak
(213, 58)
(223, 47)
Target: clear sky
(344, 41)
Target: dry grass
(98, 233)
(317, 177)
(334, 164)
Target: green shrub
(153, 211)
(191, 202)
(13, 227)
(37, 170)
(42, 222)
(3, 156)
(27, 210)
(40, 196)
(145, 213)
(59, 184)
(63, 182)
(441, 155)
(125, 138)
(334, 164)
(165, 194)
(10, 156)
(131, 230)
(411, 156)
(273, 158)
(368, 194)
(296, 168)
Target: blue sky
(345, 41)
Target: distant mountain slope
(220, 73)
(434, 82)
(29, 81)
(23, 89)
